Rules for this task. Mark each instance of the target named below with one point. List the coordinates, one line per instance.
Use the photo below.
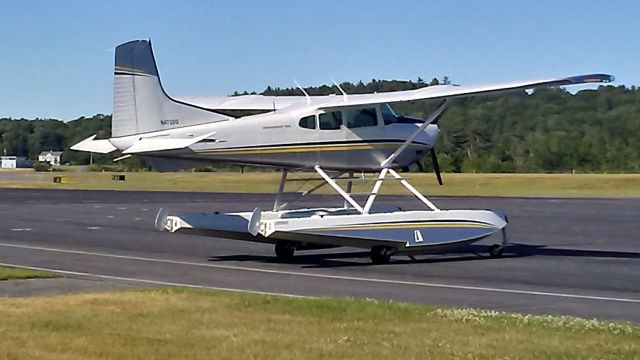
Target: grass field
(11, 273)
(194, 324)
(579, 185)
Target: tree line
(547, 130)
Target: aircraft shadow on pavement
(353, 258)
(467, 253)
(542, 250)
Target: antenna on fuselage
(344, 93)
(306, 95)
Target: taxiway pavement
(568, 256)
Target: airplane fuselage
(356, 138)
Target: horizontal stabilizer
(96, 146)
(145, 145)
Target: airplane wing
(451, 91)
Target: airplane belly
(349, 156)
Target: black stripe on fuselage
(343, 142)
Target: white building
(51, 157)
(9, 162)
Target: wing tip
(590, 78)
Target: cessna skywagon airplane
(334, 136)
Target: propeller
(436, 167)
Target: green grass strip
(198, 324)
(562, 185)
(11, 273)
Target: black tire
(285, 249)
(380, 255)
(496, 251)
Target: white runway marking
(137, 219)
(110, 216)
(122, 208)
(326, 276)
(77, 273)
(144, 209)
(21, 229)
(93, 227)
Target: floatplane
(334, 136)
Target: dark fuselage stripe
(306, 147)
(326, 143)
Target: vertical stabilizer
(140, 104)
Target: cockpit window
(388, 115)
(308, 122)
(360, 118)
(330, 121)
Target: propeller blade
(436, 167)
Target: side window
(308, 122)
(388, 116)
(361, 118)
(330, 121)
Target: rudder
(140, 104)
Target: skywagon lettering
(170, 122)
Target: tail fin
(140, 104)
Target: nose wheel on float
(497, 250)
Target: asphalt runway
(568, 256)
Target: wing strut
(283, 179)
(349, 201)
(314, 188)
(376, 188)
(413, 190)
(433, 117)
(337, 188)
(347, 196)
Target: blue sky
(57, 56)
